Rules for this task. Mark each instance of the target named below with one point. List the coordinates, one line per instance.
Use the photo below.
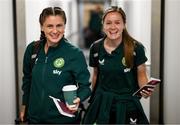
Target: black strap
(35, 50)
(95, 51)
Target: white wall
(172, 62)
(33, 9)
(7, 77)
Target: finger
(21, 116)
(147, 92)
(151, 89)
(73, 109)
(144, 93)
(77, 100)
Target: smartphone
(145, 87)
(154, 81)
(150, 85)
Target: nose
(113, 26)
(54, 30)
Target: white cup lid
(69, 88)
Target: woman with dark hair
(118, 71)
(58, 63)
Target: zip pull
(46, 59)
(36, 61)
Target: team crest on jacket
(124, 61)
(59, 62)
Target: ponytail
(42, 36)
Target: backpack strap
(35, 50)
(95, 51)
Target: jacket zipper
(43, 87)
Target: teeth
(54, 36)
(113, 32)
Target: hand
(75, 108)
(146, 93)
(22, 113)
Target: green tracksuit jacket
(62, 65)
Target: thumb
(21, 116)
(77, 100)
(22, 113)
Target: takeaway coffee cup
(70, 93)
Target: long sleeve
(82, 75)
(26, 75)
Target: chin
(55, 40)
(113, 38)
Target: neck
(111, 45)
(47, 45)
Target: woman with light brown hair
(118, 71)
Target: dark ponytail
(42, 36)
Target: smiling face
(113, 25)
(53, 28)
